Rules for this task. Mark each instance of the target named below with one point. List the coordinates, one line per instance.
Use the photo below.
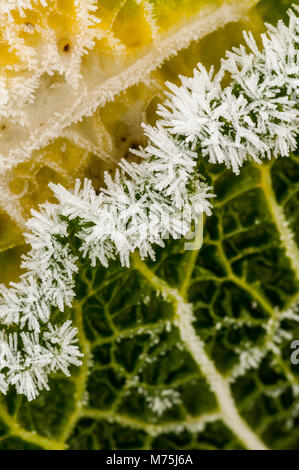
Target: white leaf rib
(218, 384)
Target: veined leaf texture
(190, 351)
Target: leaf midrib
(183, 320)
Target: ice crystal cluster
(53, 49)
(76, 80)
(256, 117)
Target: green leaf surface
(166, 343)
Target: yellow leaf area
(137, 47)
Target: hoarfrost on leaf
(215, 323)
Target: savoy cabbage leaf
(191, 351)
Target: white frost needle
(256, 116)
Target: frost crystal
(256, 116)
(145, 203)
